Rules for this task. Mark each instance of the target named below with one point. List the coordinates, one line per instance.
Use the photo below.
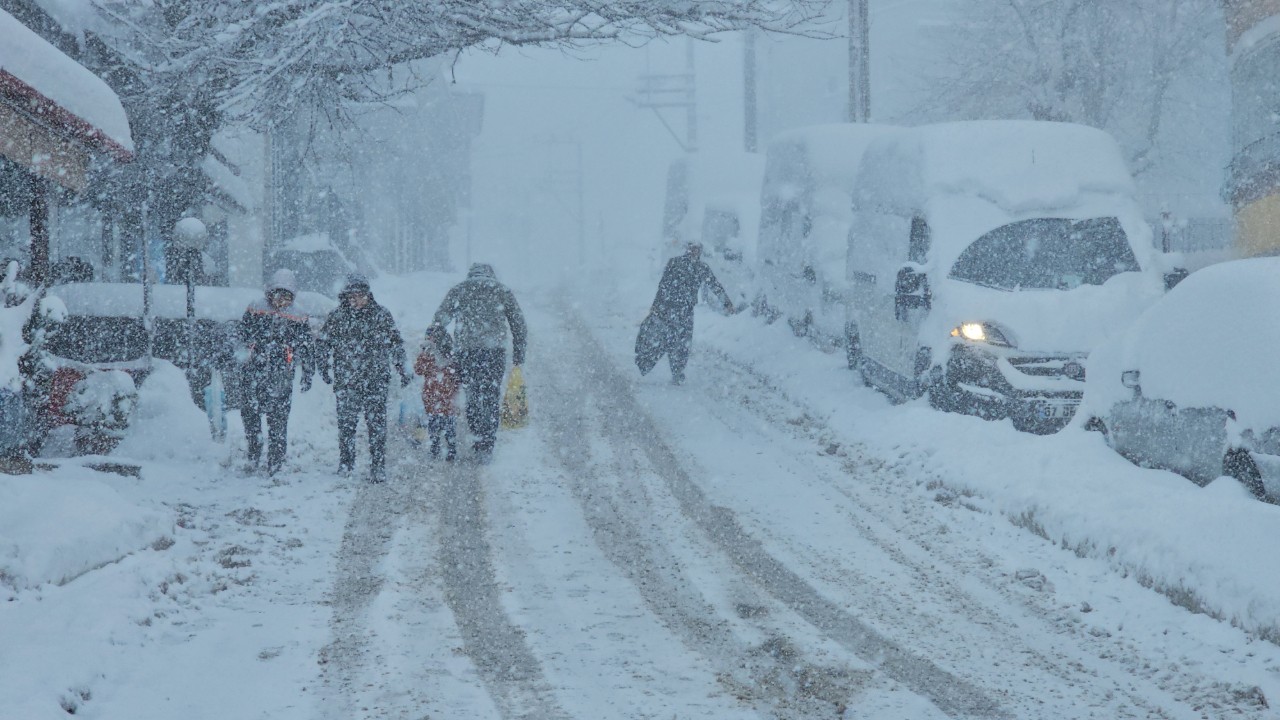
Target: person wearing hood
(482, 310)
(683, 278)
(361, 340)
(277, 339)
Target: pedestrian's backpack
(515, 403)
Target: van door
(877, 249)
(911, 303)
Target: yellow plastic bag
(515, 402)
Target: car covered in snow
(98, 351)
(1192, 385)
(809, 180)
(987, 259)
(320, 266)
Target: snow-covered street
(735, 547)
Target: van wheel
(852, 349)
(1240, 465)
(943, 395)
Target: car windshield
(1047, 253)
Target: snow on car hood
(1070, 321)
(1213, 341)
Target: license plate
(1056, 411)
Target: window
(918, 250)
(1047, 253)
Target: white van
(987, 259)
(804, 225)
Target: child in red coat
(435, 363)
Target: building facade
(59, 123)
(1253, 182)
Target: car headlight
(984, 332)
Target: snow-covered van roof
(826, 154)
(61, 90)
(822, 154)
(1015, 164)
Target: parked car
(1191, 386)
(986, 260)
(809, 180)
(319, 265)
(102, 341)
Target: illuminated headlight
(983, 332)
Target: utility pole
(672, 91)
(749, 114)
(859, 61)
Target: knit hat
(355, 284)
(283, 279)
(482, 270)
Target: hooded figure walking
(683, 278)
(362, 341)
(276, 338)
(483, 310)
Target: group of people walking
(359, 350)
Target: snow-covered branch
(270, 59)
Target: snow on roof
(1015, 164)
(311, 242)
(53, 85)
(170, 301)
(74, 16)
(227, 182)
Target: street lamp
(191, 236)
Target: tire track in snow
(494, 643)
(371, 523)
(627, 426)
(769, 676)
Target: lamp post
(191, 235)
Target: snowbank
(60, 524)
(167, 425)
(1206, 548)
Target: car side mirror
(911, 292)
(1173, 277)
(1132, 379)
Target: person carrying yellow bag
(515, 402)
(482, 310)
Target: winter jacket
(679, 286)
(276, 342)
(364, 346)
(440, 387)
(483, 309)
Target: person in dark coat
(483, 310)
(678, 289)
(362, 341)
(277, 339)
